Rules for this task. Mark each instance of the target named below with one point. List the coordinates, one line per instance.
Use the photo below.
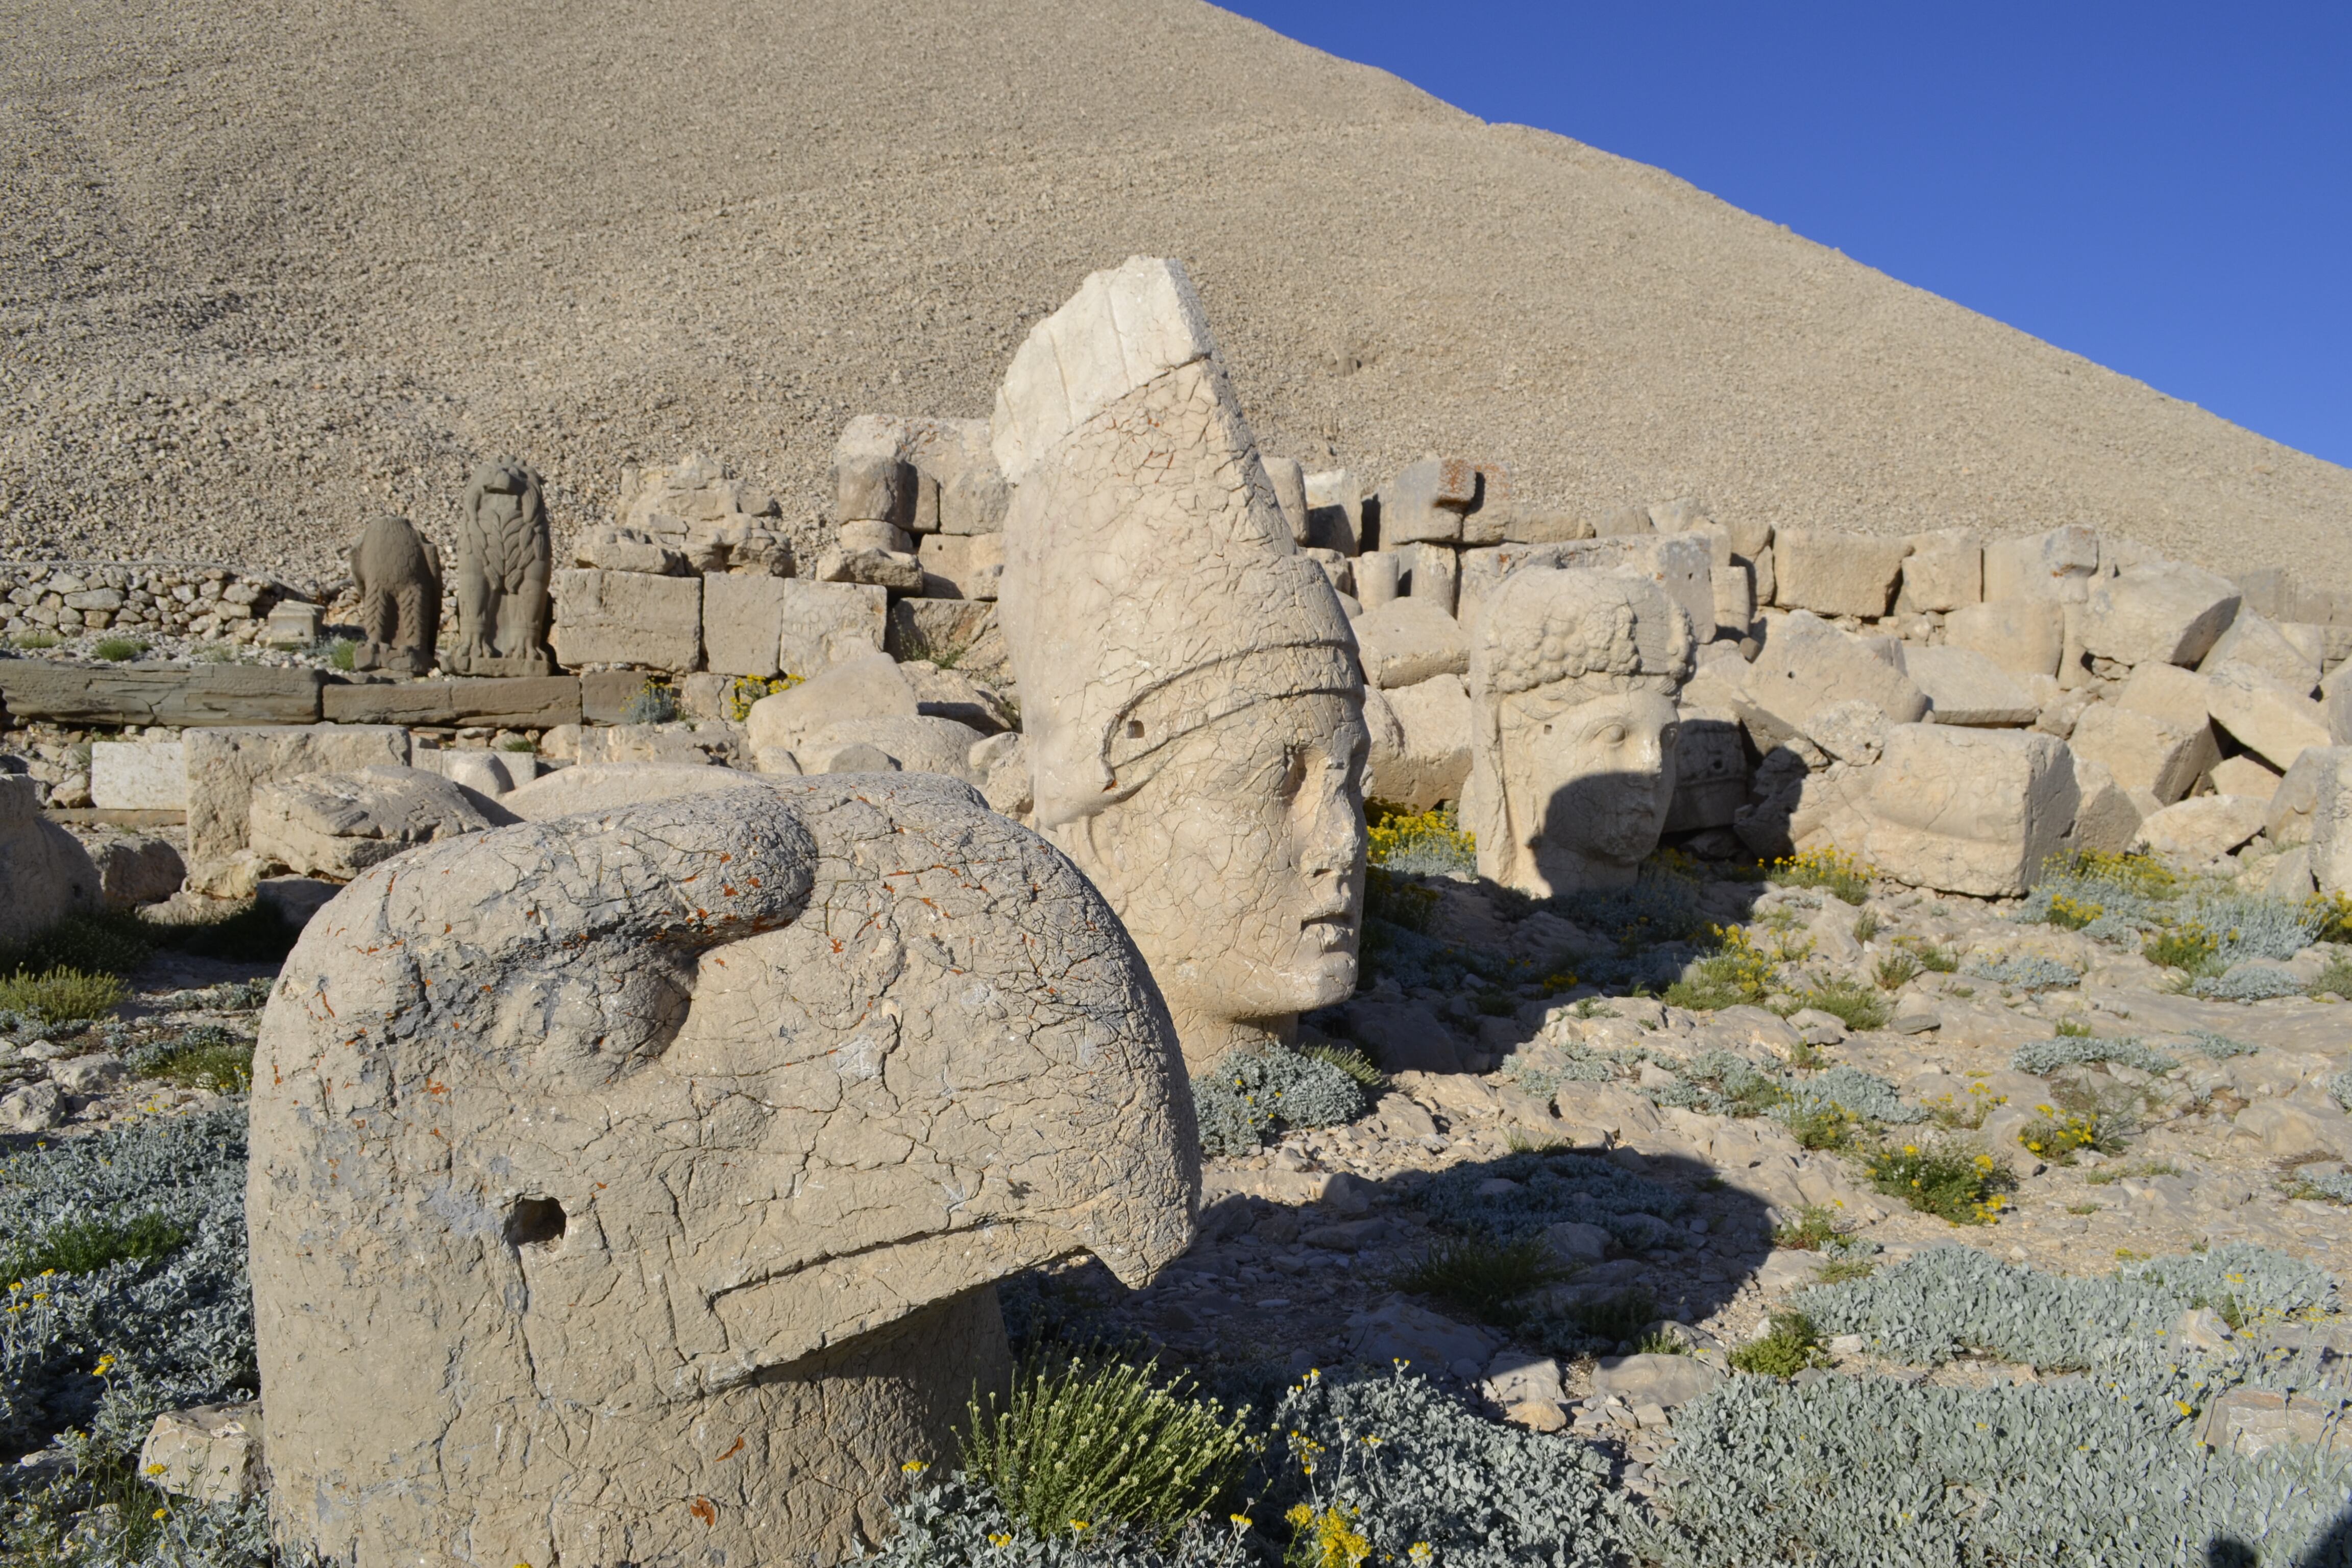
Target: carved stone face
(1239, 869)
(1585, 784)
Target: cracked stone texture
(1573, 738)
(633, 1184)
(1189, 691)
(339, 824)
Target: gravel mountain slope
(266, 270)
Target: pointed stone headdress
(1151, 585)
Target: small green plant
(1485, 1278)
(2058, 1135)
(1865, 925)
(655, 703)
(1788, 1346)
(34, 641)
(2188, 946)
(1897, 970)
(1950, 1182)
(1832, 870)
(118, 651)
(2107, 1175)
(1396, 899)
(210, 1058)
(1737, 973)
(522, 743)
(1966, 1113)
(2335, 979)
(2070, 914)
(1935, 959)
(1593, 1007)
(341, 653)
(1814, 1228)
(1823, 1124)
(62, 996)
(1088, 1444)
(1855, 1005)
(96, 943)
(2081, 1208)
(87, 1246)
(1661, 1342)
(1354, 1063)
(1838, 1271)
(1618, 1319)
(2072, 1028)
(1496, 1003)
(746, 689)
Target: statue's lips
(1331, 932)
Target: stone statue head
(629, 1186)
(1572, 678)
(1190, 689)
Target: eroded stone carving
(1190, 695)
(504, 552)
(628, 1187)
(397, 572)
(1572, 679)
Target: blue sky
(2164, 188)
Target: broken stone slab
(2106, 818)
(2253, 1421)
(1398, 1330)
(1852, 732)
(2264, 714)
(518, 702)
(1966, 811)
(825, 623)
(1425, 500)
(214, 694)
(1335, 510)
(607, 786)
(211, 1452)
(2158, 611)
(940, 475)
(1419, 742)
(139, 775)
(1407, 641)
(1288, 478)
(914, 744)
(1808, 665)
(1513, 1375)
(1943, 571)
(295, 900)
(226, 766)
(1681, 563)
(743, 623)
(1665, 1381)
(2292, 800)
(1965, 687)
(628, 617)
(2203, 828)
(2259, 644)
(1831, 573)
(2144, 751)
(35, 1108)
(2331, 817)
(2056, 564)
(1710, 770)
(961, 566)
(85, 1075)
(959, 632)
(2024, 637)
(899, 571)
(628, 550)
(582, 1043)
(134, 871)
(339, 824)
(2244, 774)
(45, 872)
(870, 686)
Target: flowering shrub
(1831, 870)
(2058, 1135)
(1418, 842)
(1950, 1183)
(1250, 1095)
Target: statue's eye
(1614, 735)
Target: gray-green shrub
(1250, 1097)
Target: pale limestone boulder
(1573, 728)
(339, 824)
(488, 773)
(1808, 665)
(2262, 644)
(1190, 699)
(634, 1182)
(607, 786)
(2167, 691)
(1425, 500)
(2106, 818)
(2160, 612)
(1406, 641)
(961, 565)
(2055, 565)
(45, 873)
(700, 511)
(1683, 564)
(211, 1452)
(1968, 811)
(953, 694)
(2244, 775)
(2266, 716)
(1836, 574)
(225, 765)
(940, 475)
(743, 622)
(1943, 571)
(1335, 510)
(2203, 828)
(136, 870)
(2338, 706)
(918, 744)
(2296, 796)
(887, 569)
(2331, 817)
(2024, 637)
(822, 624)
(1420, 752)
(868, 686)
(139, 775)
(1851, 732)
(616, 549)
(1288, 478)
(629, 618)
(1965, 687)
(2145, 752)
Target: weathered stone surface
(866, 687)
(213, 694)
(607, 786)
(1335, 510)
(896, 569)
(1419, 742)
(1573, 737)
(135, 870)
(702, 517)
(1288, 478)
(35, 1108)
(1965, 687)
(526, 702)
(961, 565)
(2262, 644)
(2053, 565)
(212, 1453)
(504, 554)
(1663, 1380)
(614, 549)
(2266, 716)
(1943, 571)
(825, 623)
(139, 775)
(1710, 770)
(2296, 796)
(2024, 637)
(45, 873)
(1968, 811)
(2145, 752)
(1190, 695)
(1808, 665)
(2157, 611)
(947, 479)
(2331, 815)
(2244, 775)
(2202, 828)
(1852, 732)
(838, 1055)
(628, 617)
(339, 824)
(2253, 1421)
(1425, 500)
(2105, 819)
(397, 571)
(743, 622)
(226, 766)
(1836, 574)
(92, 1074)
(486, 773)
(961, 631)
(916, 744)
(1398, 1330)
(1406, 641)
(1681, 563)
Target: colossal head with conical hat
(1189, 684)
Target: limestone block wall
(192, 598)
